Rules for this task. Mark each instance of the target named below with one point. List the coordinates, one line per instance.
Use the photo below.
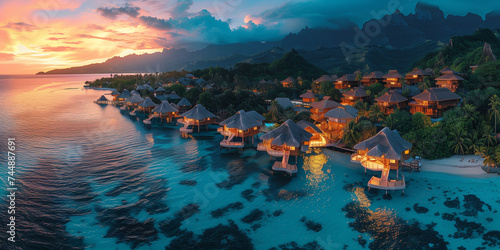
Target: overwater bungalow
(434, 102)
(287, 140)
(346, 81)
(288, 82)
(183, 105)
(450, 81)
(123, 95)
(319, 109)
(308, 97)
(324, 78)
(240, 128)
(146, 106)
(102, 100)
(319, 139)
(415, 76)
(115, 94)
(164, 111)
(338, 118)
(196, 117)
(372, 78)
(132, 103)
(352, 96)
(390, 100)
(383, 152)
(393, 79)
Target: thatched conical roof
(356, 92)
(288, 133)
(339, 113)
(241, 121)
(387, 143)
(115, 92)
(324, 78)
(164, 108)
(173, 96)
(391, 96)
(198, 113)
(102, 99)
(124, 94)
(147, 103)
(135, 98)
(325, 104)
(184, 102)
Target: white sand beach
(465, 165)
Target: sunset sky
(39, 35)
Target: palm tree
(425, 84)
(375, 114)
(288, 114)
(489, 156)
(495, 109)
(391, 122)
(274, 111)
(460, 142)
(489, 138)
(476, 142)
(350, 135)
(469, 110)
(363, 108)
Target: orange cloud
(6, 57)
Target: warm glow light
(393, 161)
(407, 151)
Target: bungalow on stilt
(239, 128)
(383, 152)
(288, 139)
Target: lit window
(407, 151)
(255, 128)
(393, 161)
(241, 131)
(208, 119)
(292, 148)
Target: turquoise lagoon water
(92, 177)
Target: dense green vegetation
(468, 129)
(462, 52)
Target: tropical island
(446, 104)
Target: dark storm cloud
(114, 12)
(154, 22)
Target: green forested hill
(463, 52)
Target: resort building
(190, 76)
(347, 81)
(352, 96)
(115, 94)
(196, 117)
(393, 79)
(134, 100)
(284, 102)
(434, 102)
(390, 100)
(146, 106)
(319, 109)
(123, 95)
(164, 111)
(160, 91)
(324, 78)
(288, 83)
(372, 78)
(415, 76)
(448, 70)
(318, 139)
(383, 152)
(287, 140)
(102, 100)
(338, 118)
(450, 81)
(308, 97)
(239, 128)
(183, 105)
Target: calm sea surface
(89, 176)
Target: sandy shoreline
(458, 164)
